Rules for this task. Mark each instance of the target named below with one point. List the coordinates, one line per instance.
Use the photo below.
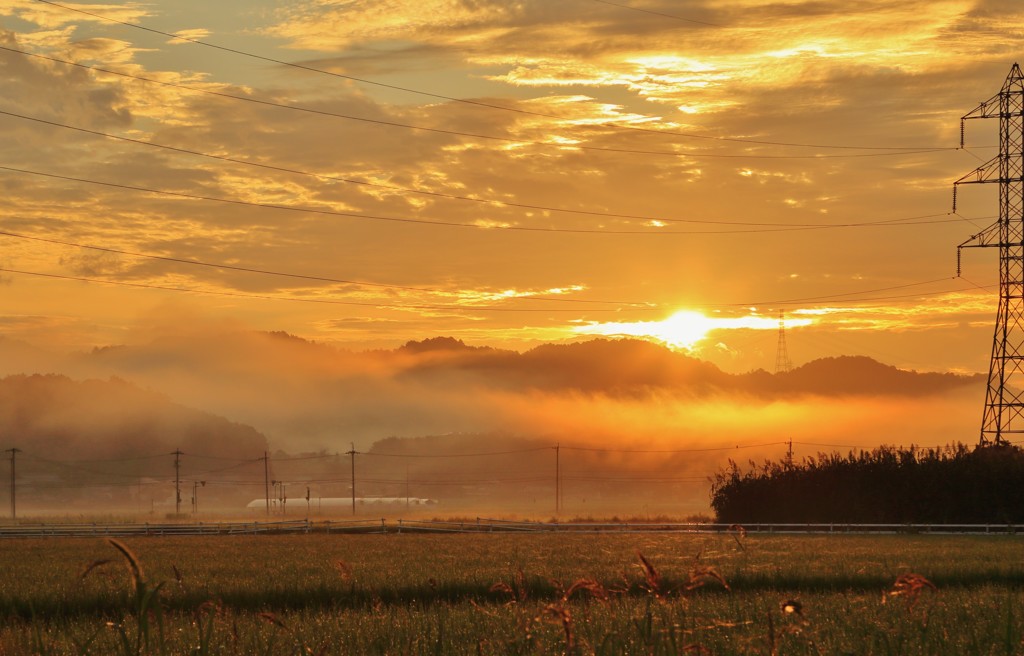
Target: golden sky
(507, 173)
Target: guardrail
(486, 525)
(498, 525)
(147, 529)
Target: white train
(331, 503)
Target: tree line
(950, 485)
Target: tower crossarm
(987, 172)
(987, 109)
(993, 107)
(993, 170)
(987, 238)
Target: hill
(112, 443)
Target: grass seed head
(132, 561)
(701, 574)
(271, 618)
(91, 566)
(792, 607)
(596, 590)
(652, 578)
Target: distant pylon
(782, 361)
(1004, 398)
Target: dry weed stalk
(909, 586)
(739, 534)
(303, 648)
(344, 570)
(517, 590)
(93, 565)
(560, 614)
(698, 576)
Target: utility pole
(353, 454)
(195, 495)
(558, 479)
(266, 480)
(1004, 405)
(14, 490)
(177, 481)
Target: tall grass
(501, 594)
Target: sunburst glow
(686, 328)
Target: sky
(361, 174)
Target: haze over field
(571, 222)
(631, 417)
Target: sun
(685, 329)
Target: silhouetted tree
(948, 485)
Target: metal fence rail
(147, 529)
(485, 525)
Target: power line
(455, 224)
(218, 265)
(396, 188)
(830, 297)
(637, 304)
(457, 455)
(880, 446)
(658, 13)
(721, 448)
(323, 301)
(100, 460)
(887, 150)
(460, 308)
(889, 298)
(87, 470)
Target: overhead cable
(491, 201)
(312, 69)
(299, 276)
(478, 226)
(390, 305)
(396, 188)
(658, 13)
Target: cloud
(48, 16)
(805, 73)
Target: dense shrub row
(951, 485)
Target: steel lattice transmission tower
(1004, 398)
(782, 361)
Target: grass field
(515, 594)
